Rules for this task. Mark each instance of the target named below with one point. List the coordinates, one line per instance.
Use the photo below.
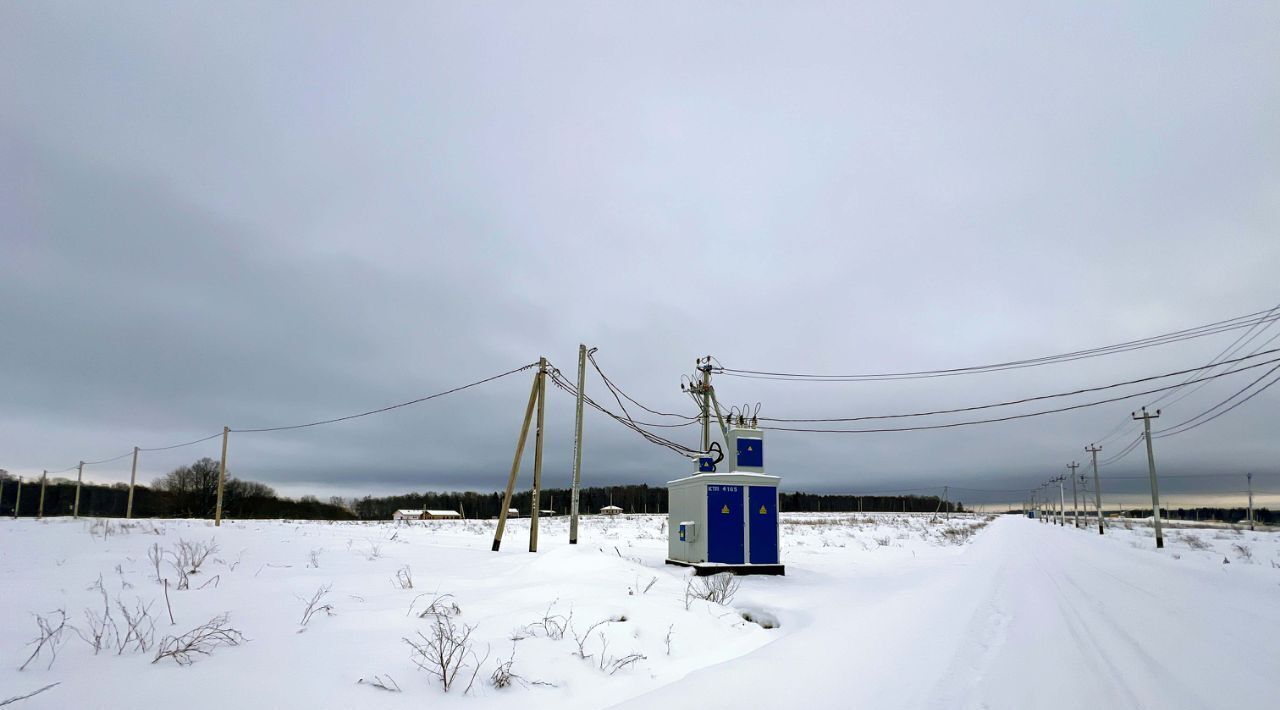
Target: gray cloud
(267, 215)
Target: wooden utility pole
(515, 465)
(75, 510)
(577, 446)
(1097, 486)
(1249, 476)
(1075, 501)
(222, 478)
(133, 478)
(537, 456)
(1151, 468)
(44, 477)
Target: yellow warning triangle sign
(725, 510)
(763, 511)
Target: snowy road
(1028, 616)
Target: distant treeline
(1226, 515)
(186, 492)
(191, 492)
(816, 503)
(632, 499)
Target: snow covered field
(876, 610)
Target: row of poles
(75, 510)
(1040, 500)
(537, 402)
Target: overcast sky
(256, 214)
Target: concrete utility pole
(133, 478)
(75, 510)
(44, 477)
(946, 500)
(1097, 487)
(706, 405)
(1075, 502)
(1062, 503)
(577, 446)
(537, 456)
(1249, 476)
(18, 501)
(222, 478)
(1151, 468)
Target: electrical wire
(562, 383)
(310, 424)
(1236, 345)
(1250, 320)
(1123, 453)
(1183, 427)
(114, 458)
(618, 391)
(1189, 475)
(179, 446)
(1015, 416)
(1019, 401)
(387, 408)
(1239, 343)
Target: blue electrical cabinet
(725, 524)
(762, 506)
(750, 453)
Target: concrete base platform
(706, 569)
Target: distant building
(513, 512)
(407, 515)
(441, 515)
(610, 510)
(546, 512)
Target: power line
(558, 379)
(1017, 401)
(179, 446)
(1236, 345)
(618, 391)
(1182, 428)
(1245, 338)
(114, 458)
(310, 424)
(1125, 452)
(1236, 323)
(1016, 416)
(387, 408)
(1190, 475)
